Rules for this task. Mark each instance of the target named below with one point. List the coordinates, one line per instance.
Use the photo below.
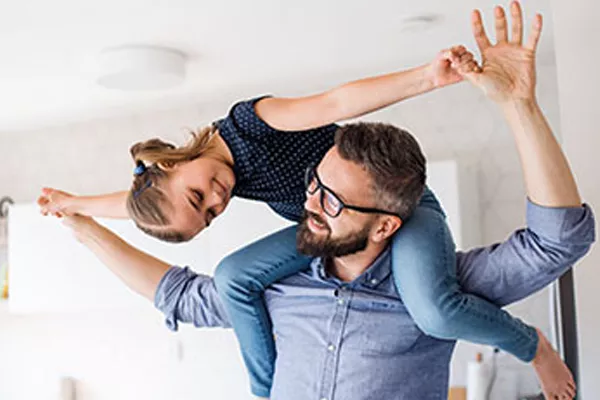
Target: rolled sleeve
(185, 296)
(531, 258)
(566, 225)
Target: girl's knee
(228, 274)
(435, 323)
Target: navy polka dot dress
(269, 164)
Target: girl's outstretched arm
(363, 96)
(57, 202)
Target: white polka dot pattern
(270, 164)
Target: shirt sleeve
(186, 296)
(531, 258)
(243, 118)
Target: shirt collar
(376, 273)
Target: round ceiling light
(141, 68)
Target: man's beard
(311, 244)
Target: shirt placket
(342, 297)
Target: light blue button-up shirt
(356, 340)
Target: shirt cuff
(573, 225)
(167, 294)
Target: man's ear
(386, 228)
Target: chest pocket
(379, 328)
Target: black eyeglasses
(330, 202)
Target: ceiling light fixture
(420, 23)
(141, 68)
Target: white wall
(133, 356)
(577, 34)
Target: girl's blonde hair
(147, 202)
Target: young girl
(260, 151)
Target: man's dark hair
(393, 159)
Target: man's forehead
(347, 179)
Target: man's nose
(313, 203)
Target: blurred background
(60, 128)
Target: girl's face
(199, 191)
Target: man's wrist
(86, 229)
(518, 105)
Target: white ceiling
(48, 49)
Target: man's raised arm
(560, 230)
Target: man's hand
(508, 67)
(56, 202)
(451, 65)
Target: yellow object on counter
(3, 281)
(457, 393)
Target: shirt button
(341, 302)
(331, 347)
(374, 281)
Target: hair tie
(141, 189)
(140, 168)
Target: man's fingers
(468, 67)
(466, 58)
(45, 212)
(517, 23)
(501, 32)
(536, 32)
(479, 31)
(457, 55)
(459, 50)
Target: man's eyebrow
(341, 197)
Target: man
(342, 331)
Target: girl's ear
(166, 165)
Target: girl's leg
(424, 268)
(241, 279)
